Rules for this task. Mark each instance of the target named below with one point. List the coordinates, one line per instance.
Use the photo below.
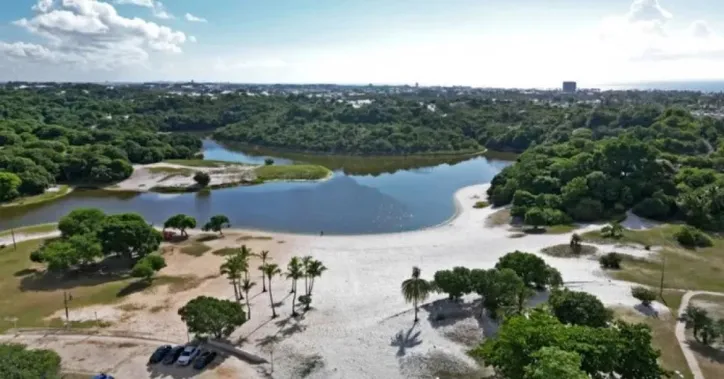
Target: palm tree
(246, 286)
(294, 272)
(263, 255)
(232, 268)
(415, 289)
(314, 270)
(271, 270)
(245, 253)
(305, 262)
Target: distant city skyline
(492, 43)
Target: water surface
(365, 195)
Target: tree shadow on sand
(406, 340)
(710, 353)
(287, 327)
(446, 312)
(110, 269)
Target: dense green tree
(202, 178)
(611, 261)
(212, 317)
(535, 217)
(552, 362)
(645, 295)
(128, 235)
(81, 221)
(19, 362)
(455, 282)
(499, 289)
(217, 224)
(579, 308)
(531, 268)
(690, 236)
(9, 185)
(180, 222)
(695, 318)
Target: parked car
(159, 354)
(204, 359)
(102, 376)
(173, 355)
(188, 354)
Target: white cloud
(647, 10)
(192, 18)
(90, 34)
(700, 29)
(192, 39)
(141, 3)
(159, 11)
(43, 6)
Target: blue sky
(512, 43)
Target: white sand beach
(360, 326)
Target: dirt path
(681, 333)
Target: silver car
(187, 356)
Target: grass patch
(196, 249)
(43, 197)
(565, 251)
(699, 269)
(171, 171)
(32, 229)
(559, 229)
(292, 172)
(499, 218)
(257, 238)
(203, 163)
(480, 204)
(225, 251)
(663, 338)
(182, 283)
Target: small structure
(569, 87)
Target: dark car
(159, 354)
(204, 359)
(173, 355)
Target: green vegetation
(32, 229)
(645, 295)
(579, 308)
(46, 196)
(568, 251)
(690, 236)
(203, 163)
(18, 362)
(147, 266)
(208, 316)
(480, 204)
(292, 172)
(196, 249)
(217, 224)
(180, 222)
(611, 261)
(416, 290)
(171, 171)
(202, 179)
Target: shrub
(202, 179)
(268, 161)
(480, 204)
(611, 261)
(690, 236)
(645, 295)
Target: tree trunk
(306, 285)
(271, 299)
(415, 305)
(248, 307)
(294, 299)
(236, 290)
(263, 283)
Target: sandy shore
(360, 326)
(162, 174)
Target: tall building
(569, 86)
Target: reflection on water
(366, 195)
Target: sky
(489, 43)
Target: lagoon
(365, 195)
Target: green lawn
(47, 196)
(203, 163)
(40, 228)
(171, 171)
(292, 172)
(693, 269)
(196, 249)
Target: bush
(268, 161)
(690, 236)
(645, 295)
(202, 179)
(611, 261)
(480, 204)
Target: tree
(691, 237)
(314, 270)
(271, 270)
(86, 248)
(576, 242)
(128, 235)
(455, 282)
(217, 223)
(611, 261)
(306, 260)
(246, 286)
(232, 268)
(19, 362)
(268, 162)
(645, 295)
(695, 318)
(552, 362)
(295, 271)
(210, 316)
(202, 178)
(9, 186)
(612, 230)
(81, 221)
(57, 255)
(180, 222)
(529, 267)
(499, 288)
(535, 217)
(264, 255)
(579, 308)
(147, 266)
(416, 290)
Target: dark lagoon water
(365, 195)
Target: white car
(187, 356)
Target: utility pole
(66, 298)
(663, 269)
(15, 245)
